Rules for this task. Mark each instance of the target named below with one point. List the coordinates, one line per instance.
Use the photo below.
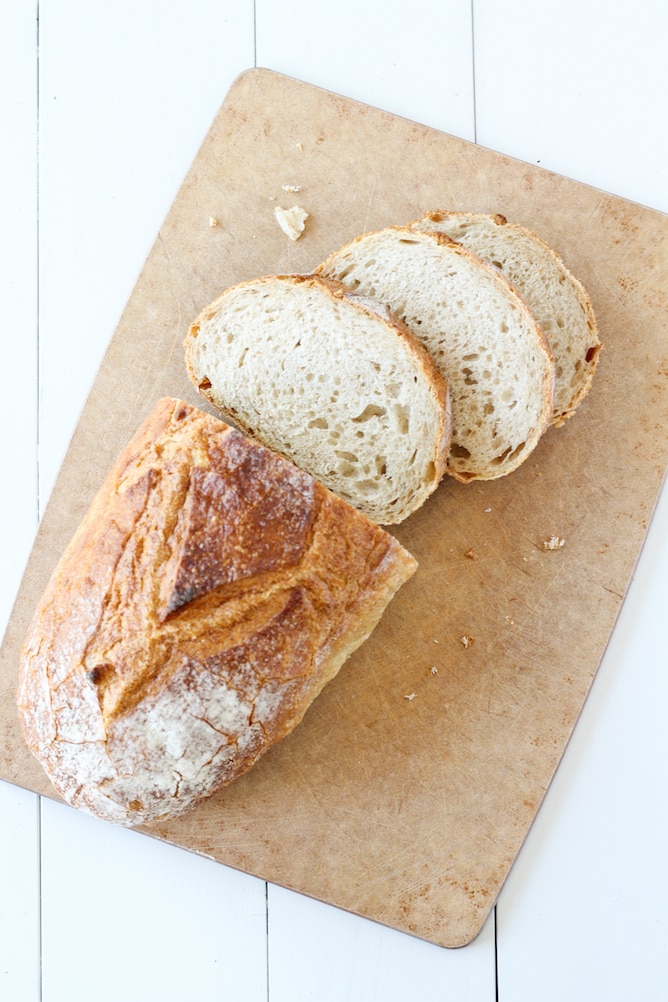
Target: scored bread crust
(331, 380)
(208, 595)
(493, 355)
(558, 301)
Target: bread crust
(208, 595)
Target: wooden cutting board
(406, 793)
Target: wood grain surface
(406, 793)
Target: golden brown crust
(208, 595)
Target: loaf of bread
(481, 334)
(558, 301)
(331, 381)
(209, 594)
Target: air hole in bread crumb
(402, 418)
(318, 423)
(370, 411)
(498, 460)
(468, 377)
(458, 451)
(366, 486)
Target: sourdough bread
(491, 352)
(558, 301)
(331, 381)
(208, 595)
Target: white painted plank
(319, 952)
(18, 267)
(126, 98)
(586, 899)
(143, 920)
(377, 54)
(19, 815)
(19, 894)
(413, 60)
(127, 94)
(579, 88)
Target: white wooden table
(121, 96)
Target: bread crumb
(213, 221)
(471, 554)
(433, 670)
(291, 220)
(488, 509)
(553, 543)
(467, 641)
(411, 695)
(291, 187)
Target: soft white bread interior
(558, 301)
(331, 381)
(482, 336)
(209, 594)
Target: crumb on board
(471, 554)
(433, 670)
(409, 696)
(553, 543)
(213, 222)
(466, 640)
(291, 187)
(291, 220)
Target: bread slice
(558, 301)
(330, 381)
(493, 355)
(209, 594)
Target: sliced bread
(330, 381)
(558, 301)
(493, 355)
